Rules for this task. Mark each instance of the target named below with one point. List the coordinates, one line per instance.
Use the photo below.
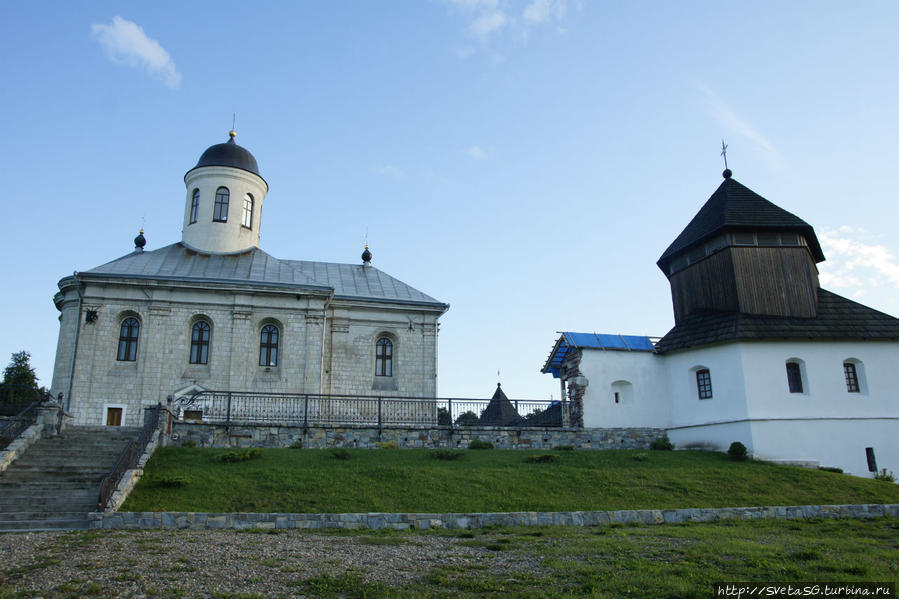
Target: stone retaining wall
(201, 521)
(209, 435)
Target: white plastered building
(214, 311)
(759, 352)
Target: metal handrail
(18, 423)
(231, 408)
(129, 458)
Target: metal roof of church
(734, 206)
(178, 262)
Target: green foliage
(831, 469)
(737, 451)
(544, 458)
(312, 481)
(340, 454)
(564, 447)
(640, 457)
(240, 456)
(478, 444)
(446, 454)
(298, 444)
(443, 417)
(386, 445)
(468, 418)
(189, 443)
(663, 444)
(885, 476)
(19, 370)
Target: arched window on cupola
(247, 217)
(194, 207)
(220, 212)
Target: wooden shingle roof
(734, 206)
(838, 319)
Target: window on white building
(795, 376)
(247, 217)
(704, 383)
(222, 198)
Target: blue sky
(525, 161)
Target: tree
(19, 383)
(19, 371)
(468, 418)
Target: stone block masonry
(208, 435)
(407, 521)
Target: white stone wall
(751, 401)
(236, 317)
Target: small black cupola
(140, 241)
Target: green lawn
(310, 480)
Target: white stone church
(214, 311)
(759, 353)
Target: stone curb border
(406, 521)
(20, 445)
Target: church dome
(229, 154)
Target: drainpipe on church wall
(321, 361)
(75, 344)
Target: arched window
(128, 336)
(268, 346)
(704, 383)
(854, 373)
(384, 357)
(795, 376)
(247, 219)
(194, 207)
(199, 343)
(222, 197)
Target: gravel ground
(224, 564)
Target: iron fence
(18, 410)
(309, 410)
(129, 457)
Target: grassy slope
(295, 480)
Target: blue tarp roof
(569, 341)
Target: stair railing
(129, 458)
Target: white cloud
(487, 17)
(729, 118)
(854, 266)
(488, 22)
(477, 152)
(388, 170)
(125, 42)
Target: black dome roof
(229, 154)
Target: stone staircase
(56, 482)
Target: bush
(298, 444)
(545, 458)
(340, 454)
(468, 418)
(446, 454)
(240, 456)
(564, 447)
(478, 444)
(640, 457)
(831, 469)
(885, 476)
(663, 444)
(737, 451)
(189, 443)
(386, 445)
(443, 417)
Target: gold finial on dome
(232, 133)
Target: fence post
(449, 408)
(228, 415)
(306, 411)
(379, 415)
